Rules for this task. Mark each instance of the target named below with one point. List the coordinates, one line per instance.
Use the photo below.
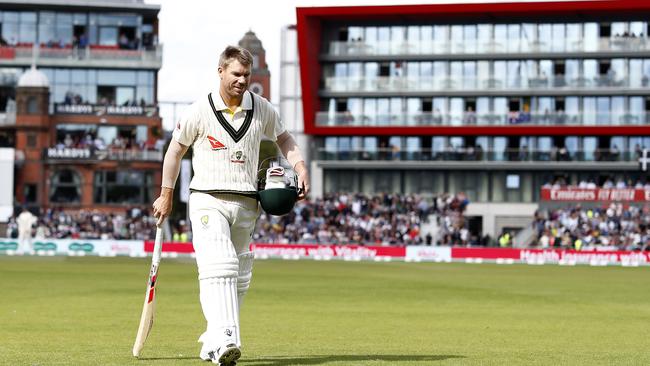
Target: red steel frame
(309, 26)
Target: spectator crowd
(575, 227)
(133, 224)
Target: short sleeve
(187, 127)
(274, 126)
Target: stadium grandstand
(493, 101)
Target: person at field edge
(225, 129)
(25, 221)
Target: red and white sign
(326, 252)
(605, 195)
(415, 253)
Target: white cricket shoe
(225, 355)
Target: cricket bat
(146, 319)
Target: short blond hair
(235, 53)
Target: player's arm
(162, 207)
(291, 152)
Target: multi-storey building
(78, 102)
(493, 100)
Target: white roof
(33, 78)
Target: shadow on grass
(320, 359)
(348, 359)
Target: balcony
(514, 84)
(103, 110)
(477, 154)
(468, 118)
(92, 155)
(504, 47)
(94, 56)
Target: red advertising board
(595, 195)
(327, 251)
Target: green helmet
(278, 193)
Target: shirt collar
(220, 105)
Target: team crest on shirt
(216, 144)
(204, 220)
(238, 157)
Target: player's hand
(162, 207)
(303, 180)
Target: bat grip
(157, 248)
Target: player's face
(235, 78)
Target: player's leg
(246, 213)
(218, 269)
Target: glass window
(426, 39)
(413, 148)
(500, 74)
(125, 95)
(574, 37)
(514, 75)
(65, 187)
(469, 75)
(514, 37)
(637, 110)
(591, 38)
(108, 36)
(558, 38)
(62, 76)
(589, 111)
(572, 105)
(618, 111)
(369, 112)
(603, 111)
(590, 148)
(383, 40)
(499, 148)
(383, 111)
(456, 109)
(544, 33)
(635, 76)
(114, 77)
(470, 37)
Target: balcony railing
(100, 110)
(92, 154)
(474, 154)
(385, 84)
(431, 47)
(325, 119)
(89, 55)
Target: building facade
(78, 102)
(492, 100)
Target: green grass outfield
(85, 311)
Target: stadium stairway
(430, 226)
(524, 237)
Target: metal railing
(384, 84)
(141, 57)
(476, 154)
(624, 118)
(431, 47)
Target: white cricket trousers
(222, 227)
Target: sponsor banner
(326, 252)
(595, 195)
(170, 247)
(485, 253)
(591, 257)
(416, 253)
(553, 256)
(78, 247)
